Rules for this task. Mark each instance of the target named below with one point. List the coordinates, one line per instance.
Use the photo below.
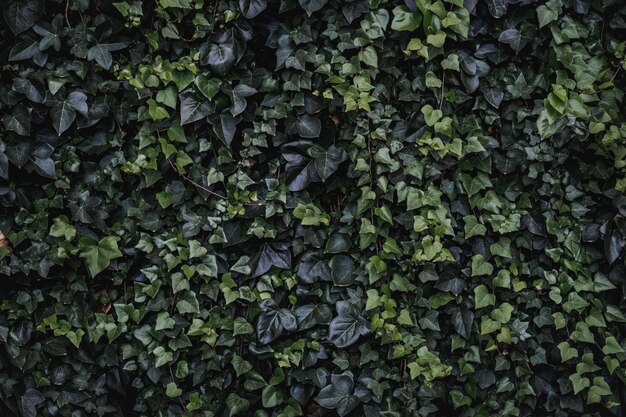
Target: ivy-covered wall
(312, 208)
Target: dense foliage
(312, 208)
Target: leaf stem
(186, 178)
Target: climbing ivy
(312, 208)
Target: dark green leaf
(273, 323)
(497, 8)
(312, 267)
(18, 121)
(236, 404)
(64, 112)
(252, 8)
(312, 6)
(192, 110)
(347, 327)
(220, 58)
(20, 15)
(342, 269)
(101, 53)
(306, 126)
(339, 395)
(29, 402)
(275, 254)
(327, 160)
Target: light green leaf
(482, 297)
(98, 255)
(480, 266)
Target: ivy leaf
(300, 169)
(252, 8)
(27, 49)
(241, 366)
(599, 389)
(271, 397)
(44, 166)
(493, 96)
(101, 53)
(270, 254)
(19, 153)
(312, 268)
(20, 15)
(327, 160)
(192, 110)
(306, 126)
(513, 38)
(98, 255)
(51, 33)
(482, 297)
(209, 87)
(472, 227)
(63, 113)
(431, 115)
(220, 58)
(342, 268)
(241, 326)
(183, 4)
(454, 286)
(225, 127)
(236, 404)
(546, 15)
(352, 10)
(502, 248)
(310, 315)
(312, 6)
(497, 8)
(274, 322)
(30, 90)
(338, 395)
(167, 96)
(567, 352)
(579, 382)
(611, 346)
(462, 320)
(238, 96)
(337, 243)
(172, 390)
(404, 19)
(29, 402)
(188, 303)
(4, 166)
(18, 121)
(613, 247)
(347, 327)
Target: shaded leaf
(192, 110)
(29, 402)
(327, 160)
(273, 323)
(342, 268)
(270, 254)
(347, 327)
(338, 395)
(312, 6)
(252, 8)
(20, 15)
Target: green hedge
(312, 208)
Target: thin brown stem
(186, 178)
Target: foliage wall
(312, 208)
